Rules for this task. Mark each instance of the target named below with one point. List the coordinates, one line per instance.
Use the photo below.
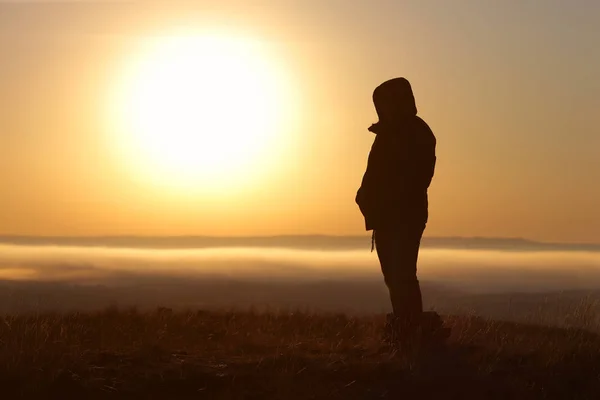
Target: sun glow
(203, 112)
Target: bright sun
(203, 111)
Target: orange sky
(510, 90)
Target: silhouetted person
(393, 196)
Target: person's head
(394, 100)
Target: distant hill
(313, 242)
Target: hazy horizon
(532, 285)
(306, 241)
(470, 270)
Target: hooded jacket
(401, 162)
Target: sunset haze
(509, 88)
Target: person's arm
(424, 160)
(367, 193)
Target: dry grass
(286, 355)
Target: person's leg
(409, 255)
(384, 245)
(398, 254)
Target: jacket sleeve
(424, 161)
(367, 193)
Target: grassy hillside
(247, 355)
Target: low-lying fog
(547, 284)
(467, 270)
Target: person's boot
(432, 327)
(398, 330)
(389, 329)
(427, 329)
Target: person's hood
(396, 95)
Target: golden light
(203, 112)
